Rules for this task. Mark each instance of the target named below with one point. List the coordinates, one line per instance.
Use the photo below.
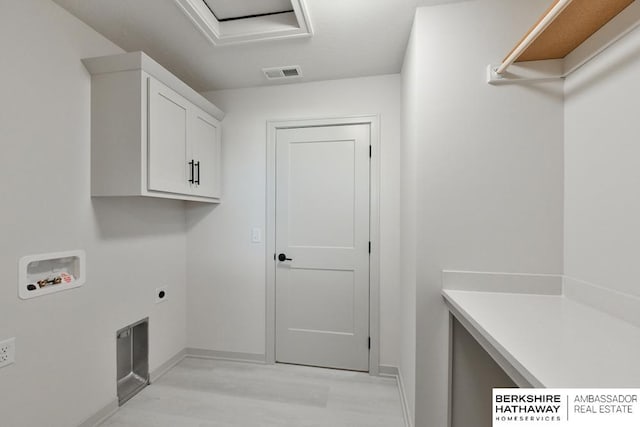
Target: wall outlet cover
(161, 295)
(7, 352)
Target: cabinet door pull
(192, 180)
(198, 166)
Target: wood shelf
(575, 24)
(567, 36)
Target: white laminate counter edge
(550, 341)
(518, 373)
(615, 303)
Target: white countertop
(550, 340)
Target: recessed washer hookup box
(44, 274)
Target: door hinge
(369, 151)
(369, 343)
(369, 247)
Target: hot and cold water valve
(51, 272)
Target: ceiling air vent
(278, 73)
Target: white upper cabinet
(205, 153)
(151, 134)
(168, 114)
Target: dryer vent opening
(132, 359)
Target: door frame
(374, 229)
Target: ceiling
(352, 38)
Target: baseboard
(388, 371)
(100, 416)
(166, 366)
(394, 371)
(232, 356)
(408, 419)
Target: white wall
(602, 152)
(489, 168)
(226, 272)
(408, 221)
(65, 342)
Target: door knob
(283, 257)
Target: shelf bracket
(524, 72)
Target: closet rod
(532, 35)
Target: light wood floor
(212, 393)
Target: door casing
(374, 229)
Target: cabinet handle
(192, 180)
(198, 166)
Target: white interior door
(322, 225)
(167, 145)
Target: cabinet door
(168, 168)
(204, 144)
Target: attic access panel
(226, 10)
(241, 21)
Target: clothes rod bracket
(529, 72)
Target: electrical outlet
(161, 294)
(7, 352)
